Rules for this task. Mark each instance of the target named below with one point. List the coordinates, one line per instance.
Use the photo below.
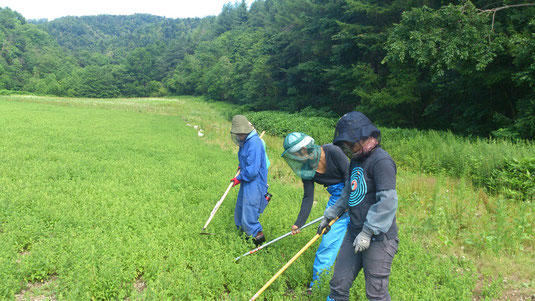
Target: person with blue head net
(326, 165)
(371, 199)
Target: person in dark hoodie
(370, 197)
(326, 165)
(252, 158)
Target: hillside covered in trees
(464, 66)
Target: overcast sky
(51, 9)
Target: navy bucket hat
(354, 127)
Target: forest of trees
(468, 67)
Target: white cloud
(51, 9)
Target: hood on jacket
(354, 127)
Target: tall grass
(467, 225)
(499, 165)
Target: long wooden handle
(290, 262)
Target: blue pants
(250, 203)
(331, 242)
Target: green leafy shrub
(11, 92)
(281, 124)
(515, 179)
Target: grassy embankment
(105, 199)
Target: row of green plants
(499, 165)
(11, 92)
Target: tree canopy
(464, 66)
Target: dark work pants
(376, 262)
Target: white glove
(362, 241)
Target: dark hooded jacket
(369, 193)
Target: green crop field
(105, 200)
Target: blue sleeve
(252, 161)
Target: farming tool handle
(277, 239)
(290, 262)
(218, 204)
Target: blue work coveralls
(253, 185)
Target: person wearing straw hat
(252, 178)
(370, 197)
(326, 165)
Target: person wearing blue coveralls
(252, 159)
(370, 196)
(326, 165)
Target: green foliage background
(463, 66)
